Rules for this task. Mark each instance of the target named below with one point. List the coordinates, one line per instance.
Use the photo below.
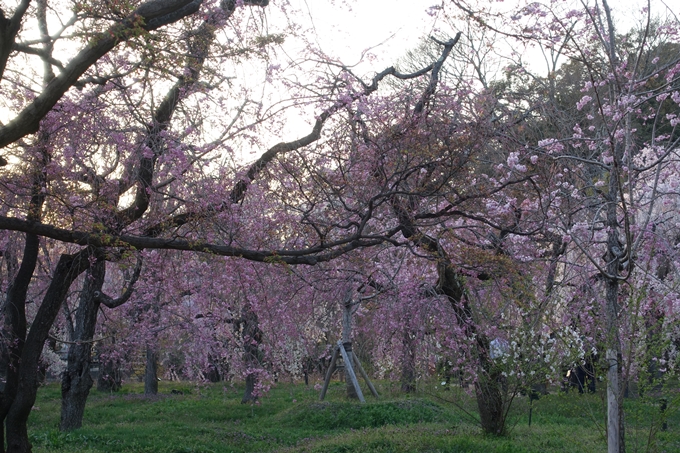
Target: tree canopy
(462, 207)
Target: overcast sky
(345, 28)
(347, 32)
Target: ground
(210, 418)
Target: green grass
(291, 419)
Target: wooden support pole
(329, 373)
(364, 375)
(350, 371)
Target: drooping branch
(254, 170)
(239, 190)
(148, 17)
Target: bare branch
(149, 16)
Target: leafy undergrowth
(203, 419)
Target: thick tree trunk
(68, 268)
(490, 390)
(151, 371)
(490, 386)
(252, 337)
(76, 381)
(17, 433)
(75, 387)
(14, 327)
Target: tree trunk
(68, 268)
(249, 393)
(490, 390)
(76, 381)
(614, 360)
(14, 326)
(252, 337)
(490, 387)
(213, 373)
(151, 371)
(408, 362)
(14, 329)
(347, 341)
(109, 379)
(75, 387)
(613, 356)
(17, 432)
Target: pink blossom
(582, 103)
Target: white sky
(345, 28)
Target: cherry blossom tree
(459, 198)
(115, 169)
(608, 151)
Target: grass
(211, 419)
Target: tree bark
(109, 379)
(252, 337)
(76, 381)
(213, 372)
(613, 354)
(14, 327)
(408, 362)
(249, 393)
(151, 371)
(489, 387)
(491, 399)
(67, 270)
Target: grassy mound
(428, 438)
(348, 415)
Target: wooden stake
(329, 373)
(350, 370)
(364, 375)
